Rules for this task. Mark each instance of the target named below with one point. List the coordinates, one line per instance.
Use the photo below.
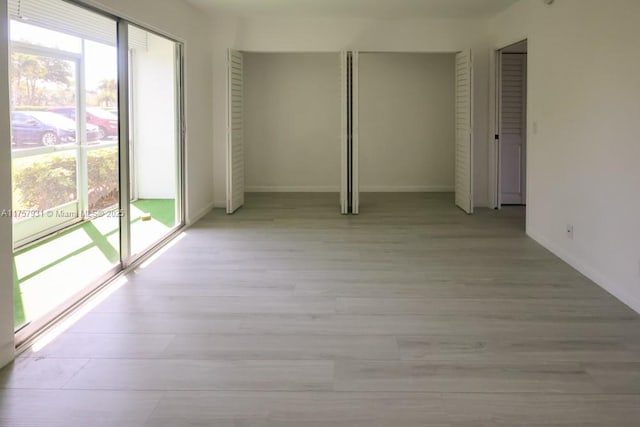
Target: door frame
(495, 111)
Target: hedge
(50, 180)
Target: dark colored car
(106, 122)
(45, 128)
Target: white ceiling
(357, 8)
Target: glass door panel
(154, 138)
(64, 157)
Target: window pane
(65, 158)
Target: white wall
(6, 246)
(154, 119)
(292, 122)
(584, 99)
(179, 20)
(296, 34)
(406, 133)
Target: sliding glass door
(154, 143)
(64, 154)
(95, 185)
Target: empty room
(319, 213)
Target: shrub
(47, 181)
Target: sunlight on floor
(50, 272)
(64, 325)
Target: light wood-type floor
(287, 314)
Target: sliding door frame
(31, 331)
(125, 115)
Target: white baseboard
(596, 276)
(406, 189)
(220, 204)
(199, 215)
(292, 189)
(331, 189)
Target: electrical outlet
(570, 231)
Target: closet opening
(407, 130)
(284, 146)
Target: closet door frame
(349, 180)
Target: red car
(106, 122)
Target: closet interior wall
(406, 130)
(292, 122)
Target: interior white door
(344, 133)
(464, 131)
(355, 141)
(235, 132)
(513, 129)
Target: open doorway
(511, 135)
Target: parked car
(46, 128)
(106, 122)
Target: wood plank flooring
(287, 314)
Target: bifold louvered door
(235, 133)
(344, 133)
(512, 128)
(355, 141)
(464, 131)
(349, 184)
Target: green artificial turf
(19, 318)
(162, 210)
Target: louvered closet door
(355, 141)
(235, 133)
(512, 132)
(464, 135)
(344, 133)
